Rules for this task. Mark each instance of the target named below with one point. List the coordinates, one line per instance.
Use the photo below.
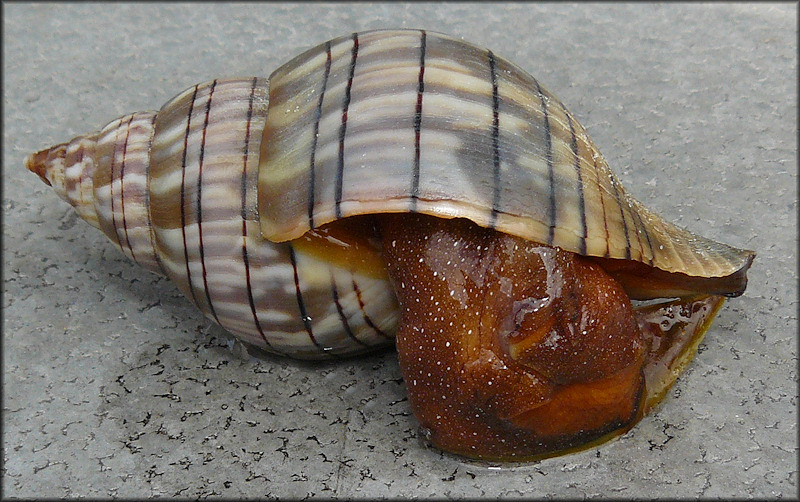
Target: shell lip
(645, 282)
(741, 275)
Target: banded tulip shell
(268, 202)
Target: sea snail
(403, 183)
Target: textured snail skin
(510, 348)
(401, 181)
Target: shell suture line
(245, 258)
(122, 187)
(148, 206)
(200, 205)
(111, 185)
(183, 194)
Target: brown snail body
(407, 182)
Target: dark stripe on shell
(642, 229)
(623, 197)
(122, 187)
(300, 303)
(602, 205)
(622, 216)
(495, 142)
(342, 315)
(637, 232)
(312, 174)
(343, 128)
(577, 163)
(199, 202)
(367, 319)
(549, 159)
(111, 184)
(418, 121)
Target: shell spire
(68, 180)
(104, 177)
(175, 191)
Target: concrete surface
(113, 386)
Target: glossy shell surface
(413, 121)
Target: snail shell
(255, 197)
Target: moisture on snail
(408, 184)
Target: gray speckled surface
(114, 386)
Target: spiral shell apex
(403, 184)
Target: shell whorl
(413, 121)
(176, 192)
